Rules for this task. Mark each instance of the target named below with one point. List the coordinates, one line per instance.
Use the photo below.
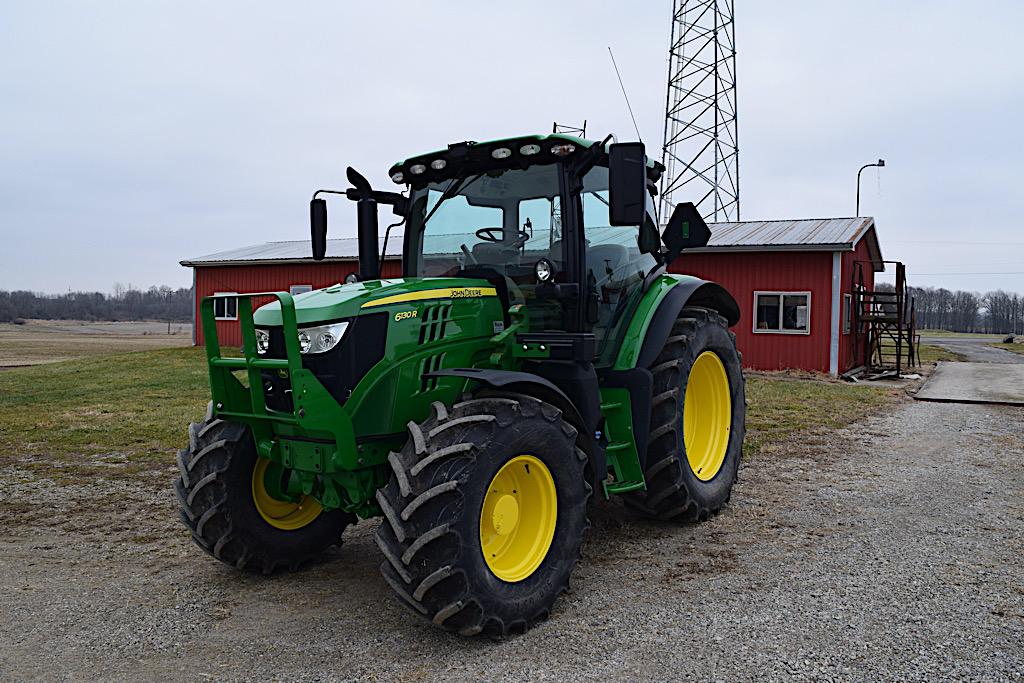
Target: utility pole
(880, 163)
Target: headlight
(262, 341)
(543, 270)
(321, 339)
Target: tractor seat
(491, 254)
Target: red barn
(794, 282)
(272, 267)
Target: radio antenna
(624, 95)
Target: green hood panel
(349, 300)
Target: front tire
(484, 515)
(697, 420)
(230, 514)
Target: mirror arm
(395, 200)
(328, 192)
(588, 159)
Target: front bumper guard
(317, 436)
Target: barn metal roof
(818, 234)
(815, 232)
(808, 234)
(292, 251)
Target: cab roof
(470, 156)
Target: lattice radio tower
(701, 143)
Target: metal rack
(886, 323)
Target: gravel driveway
(888, 551)
(975, 349)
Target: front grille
(339, 370)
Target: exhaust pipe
(366, 210)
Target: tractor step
(623, 487)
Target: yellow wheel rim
(517, 520)
(707, 416)
(280, 514)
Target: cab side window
(615, 265)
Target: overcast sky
(136, 134)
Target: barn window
(782, 312)
(300, 289)
(225, 306)
(847, 313)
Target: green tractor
(534, 354)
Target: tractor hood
(349, 300)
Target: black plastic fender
(538, 387)
(690, 292)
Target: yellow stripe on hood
(442, 293)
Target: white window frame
(302, 289)
(847, 313)
(780, 294)
(225, 295)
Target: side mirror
(318, 228)
(685, 230)
(627, 183)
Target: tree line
(125, 303)
(998, 312)
(936, 308)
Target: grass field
(930, 354)
(125, 415)
(51, 341)
(1015, 347)
(947, 333)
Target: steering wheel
(497, 236)
(490, 234)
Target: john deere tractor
(534, 354)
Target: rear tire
(675, 490)
(440, 514)
(216, 494)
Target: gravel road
(888, 551)
(975, 349)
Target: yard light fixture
(880, 164)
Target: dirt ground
(886, 551)
(49, 341)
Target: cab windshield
(504, 220)
(497, 225)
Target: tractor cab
(555, 253)
(564, 227)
